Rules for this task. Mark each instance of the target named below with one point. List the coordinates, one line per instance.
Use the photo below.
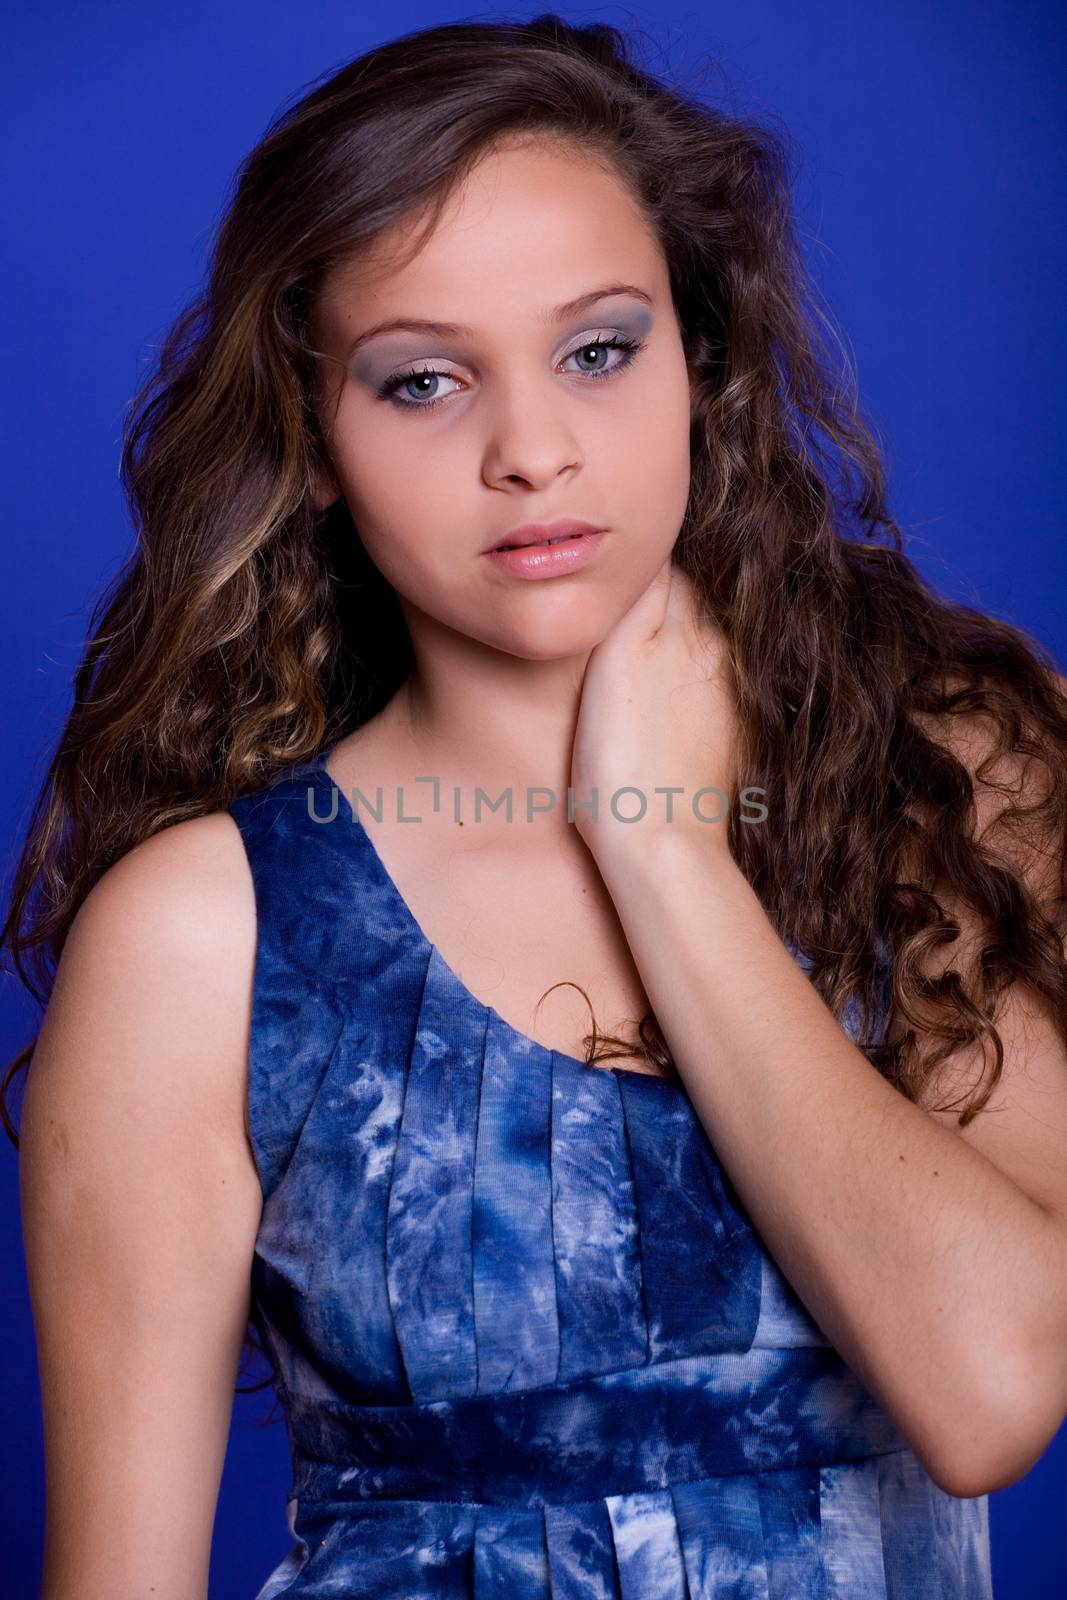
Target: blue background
(931, 199)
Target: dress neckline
(318, 769)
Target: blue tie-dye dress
(528, 1344)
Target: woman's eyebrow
(455, 330)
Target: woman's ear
(324, 486)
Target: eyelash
(618, 341)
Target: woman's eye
(421, 378)
(421, 381)
(596, 348)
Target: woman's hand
(657, 711)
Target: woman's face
(519, 423)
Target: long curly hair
(247, 630)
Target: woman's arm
(937, 1270)
(140, 1208)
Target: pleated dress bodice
(527, 1342)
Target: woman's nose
(530, 439)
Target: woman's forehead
(535, 239)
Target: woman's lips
(547, 532)
(546, 541)
(562, 554)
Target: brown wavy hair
(246, 631)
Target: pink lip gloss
(548, 560)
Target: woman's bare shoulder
(188, 888)
(165, 943)
(190, 866)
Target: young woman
(766, 1307)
